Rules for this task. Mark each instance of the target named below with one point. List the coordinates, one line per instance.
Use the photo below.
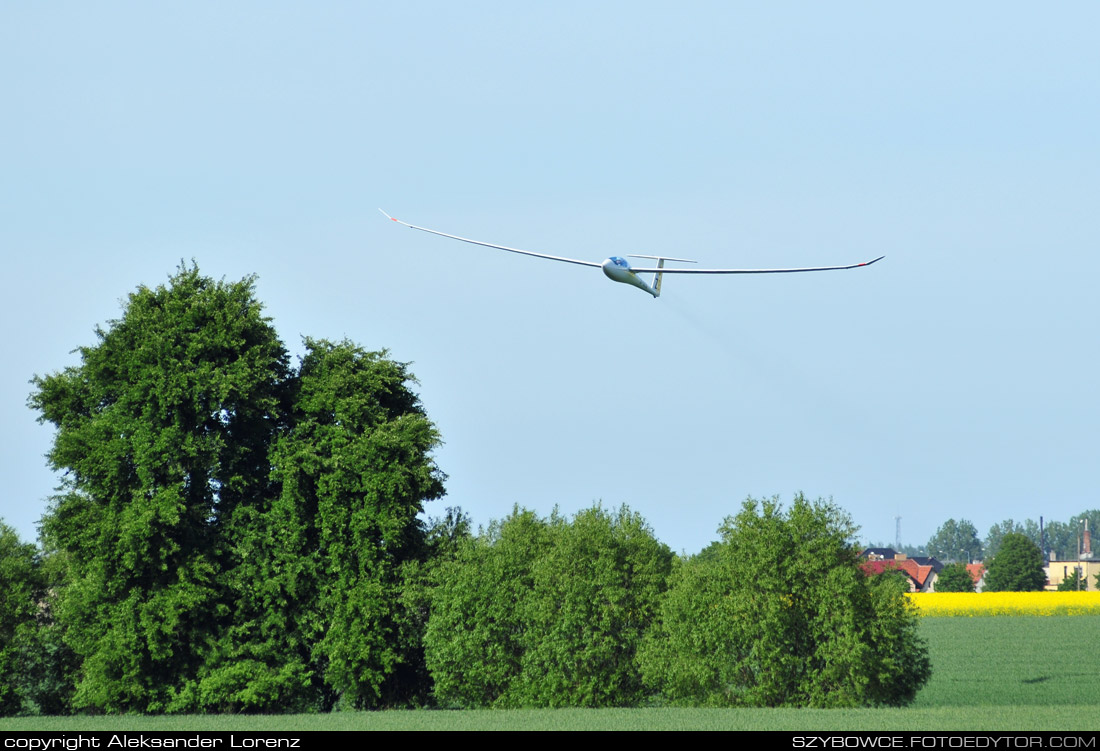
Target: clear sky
(956, 378)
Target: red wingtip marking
(392, 219)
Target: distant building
(977, 573)
(1086, 566)
(925, 560)
(1057, 571)
(922, 576)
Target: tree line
(958, 540)
(236, 533)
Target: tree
(1066, 539)
(318, 582)
(359, 461)
(547, 612)
(956, 541)
(784, 616)
(596, 591)
(954, 578)
(1061, 540)
(162, 434)
(20, 592)
(1017, 567)
(477, 635)
(1028, 528)
(909, 550)
(234, 531)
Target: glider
(619, 270)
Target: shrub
(782, 615)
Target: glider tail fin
(657, 278)
(657, 275)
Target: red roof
(976, 571)
(917, 573)
(874, 568)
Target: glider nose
(617, 269)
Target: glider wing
(667, 270)
(492, 245)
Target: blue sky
(956, 378)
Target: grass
(989, 673)
(1012, 661)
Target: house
(1057, 571)
(977, 573)
(922, 577)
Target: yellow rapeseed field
(936, 604)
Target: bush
(547, 613)
(954, 578)
(782, 615)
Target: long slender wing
(667, 270)
(491, 245)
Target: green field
(989, 673)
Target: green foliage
(476, 634)
(1075, 582)
(909, 550)
(1028, 528)
(954, 578)
(356, 469)
(234, 532)
(596, 591)
(784, 616)
(899, 579)
(21, 590)
(956, 541)
(321, 619)
(48, 665)
(1017, 567)
(547, 612)
(162, 431)
(1064, 539)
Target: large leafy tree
(234, 530)
(956, 541)
(357, 468)
(318, 615)
(1017, 567)
(162, 433)
(783, 615)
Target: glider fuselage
(618, 270)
